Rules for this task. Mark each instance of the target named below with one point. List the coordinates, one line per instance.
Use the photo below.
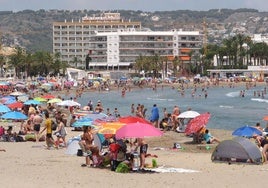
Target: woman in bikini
(86, 144)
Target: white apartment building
(72, 39)
(122, 48)
(114, 43)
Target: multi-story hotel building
(113, 43)
(72, 39)
(122, 48)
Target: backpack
(53, 125)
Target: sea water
(228, 109)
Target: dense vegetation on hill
(33, 29)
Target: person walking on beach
(155, 115)
(48, 127)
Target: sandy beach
(29, 164)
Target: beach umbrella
(16, 104)
(9, 101)
(40, 99)
(16, 93)
(83, 122)
(4, 108)
(34, 102)
(188, 114)
(109, 127)
(23, 98)
(14, 115)
(265, 118)
(68, 103)
(54, 100)
(137, 130)
(246, 131)
(133, 119)
(6, 98)
(48, 96)
(197, 123)
(97, 116)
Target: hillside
(33, 29)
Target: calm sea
(228, 110)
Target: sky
(144, 5)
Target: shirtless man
(37, 120)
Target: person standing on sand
(48, 126)
(155, 115)
(37, 120)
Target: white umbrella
(68, 103)
(16, 93)
(188, 114)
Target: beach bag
(79, 152)
(53, 125)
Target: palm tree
(16, 61)
(175, 64)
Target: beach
(30, 164)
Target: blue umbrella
(95, 116)
(83, 122)
(29, 102)
(14, 115)
(246, 131)
(4, 108)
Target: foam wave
(223, 106)
(159, 99)
(233, 94)
(259, 100)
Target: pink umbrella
(137, 130)
(197, 123)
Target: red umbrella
(137, 130)
(48, 96)
(133, 119)
(197, 123)
(15, 105)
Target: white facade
(122, 48)
(71, 39)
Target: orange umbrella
(265, 118)
(110, 127)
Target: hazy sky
(144, 5)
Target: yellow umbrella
(55, 100)
(40, 99)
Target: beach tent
(73, 146)
(237, 150)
